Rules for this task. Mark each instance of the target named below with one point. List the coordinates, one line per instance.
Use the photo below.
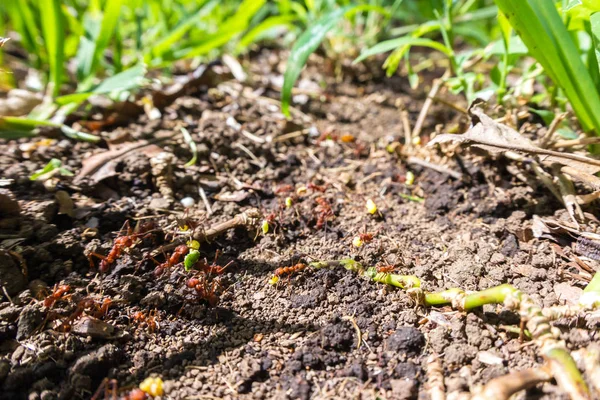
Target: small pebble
(187, 202)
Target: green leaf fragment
(191, 259)
(192, 145)
(53, 167)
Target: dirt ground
(294, 339)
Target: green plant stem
(565, 371)
(562, 365)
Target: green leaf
(265, 26)
(545, 115)
(190, 142)
(595, 29)
(76, 135)
(191, 259)
(306, 44)
(16, 128)
(54, 39)
(110, 18)
(129, 79)
(54, 166)
(166, 43)
(388, 45)
(227, 31)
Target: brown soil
(290, 340)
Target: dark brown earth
(294, 339)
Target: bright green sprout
(191, 259)
(53, 167)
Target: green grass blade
(176, 34)
(129, 79)
(595, 29)
(16, 128)
(259, 30)
(20, 15)
(54, 39)
(542, 30)
(229, 29)
(403, 41)
(187, 137)
(112, 10)
(306, 44)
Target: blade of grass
(190, 142)
(176, 34)
(255, 33)
(306, 44)
(542, 30)
(228, 30)
(388, 45)
(54, 166)
(16, 128)
(129, 79)
(54, 40)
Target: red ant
(325, 212)
(327, 135)
(281, 189)
(57, 294)
(366, 237)
(95, 309)
(386, 268)
(205, 290)
(110, 386)
(179, 252)
(149, 320)
(289, 270)
(213, 268)
(120, 244)
(316, 188)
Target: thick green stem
(566, 373)
(401, 281)
(494, 295)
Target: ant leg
(92, 254)
(102, 387)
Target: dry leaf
(237, 196)
(499, 138)
(103, 165)
(65, 203)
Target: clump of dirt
(310, 177)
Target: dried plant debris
(498, 138)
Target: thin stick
(551, 129)
(439, 168)
(248, 219)
(435, 88)
(202, 194)
(576, 142)
(290, 135)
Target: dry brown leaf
(103, 165)
(499, 138)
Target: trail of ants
(121, 243)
